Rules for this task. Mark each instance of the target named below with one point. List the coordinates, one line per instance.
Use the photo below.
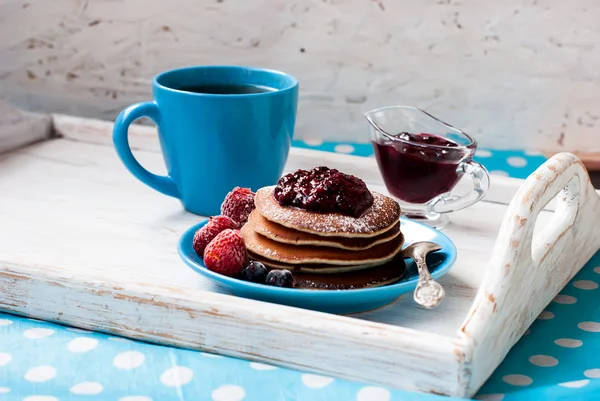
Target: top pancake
(383, 214)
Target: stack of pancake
(327, 251)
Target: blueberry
(280, 278)
(255, 272)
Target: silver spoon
(429, 293)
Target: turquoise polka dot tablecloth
(557, 359)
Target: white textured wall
(511, 72)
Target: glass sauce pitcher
(421, 159)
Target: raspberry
(226, 254)
(210, 230)
(238, 205)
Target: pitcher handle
(446, 203)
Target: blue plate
(333, 301)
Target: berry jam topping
(255, 272)
(280, 278)
(324, 190)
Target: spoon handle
(422, 267)
(429, 293)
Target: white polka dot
(546, 315)
(262, 366)
(516, 161)
(40, 398)
(490, 397)
(372, 393)
(568, 342)
(129, 359)
(544, 361)
(575, 384)
(74, 330)
(499, 172)
(313, 141)
(344, 148)
(565, 299)
(585, 285)
(592, 373)
(316, 381)
(517, 380)
(135, 398)
(483, 153)
(228, 392)
(88, 388)
(593, 327)
(177, 376)
(4, 390)
(82, 344)
(119, 339)
(40, 373)
(533, 153)
(5, 358)
(597, 269)
(38, 332)
(207, 355)
(5, 322)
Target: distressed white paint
(513, 73)
(528, 269)
(19, 128)
(84, 243)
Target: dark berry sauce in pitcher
(418, 167)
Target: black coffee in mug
(226, 89)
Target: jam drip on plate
(324, 190)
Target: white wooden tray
(85, 244)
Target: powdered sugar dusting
(381, 215)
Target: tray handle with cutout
(527, 271)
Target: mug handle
(162, 184)
(446, 203)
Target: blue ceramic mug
(218, 127)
